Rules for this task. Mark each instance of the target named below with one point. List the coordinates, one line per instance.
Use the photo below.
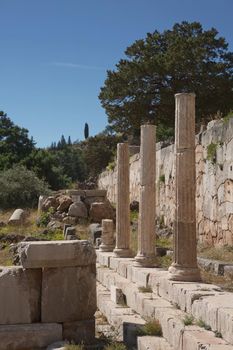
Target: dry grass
(224, 253)
(220, 281)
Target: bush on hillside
(20, 187)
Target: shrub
(115, 346)
(151, 327)
(20, 187)
(188, 320)
(211, 152)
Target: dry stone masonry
(50, 297)
(214, 183)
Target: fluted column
(122, 203)
(184, 266)
(146, 226)
(107, 236)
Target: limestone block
(152, 343)
(29, 336)
(68, 294)
(78, 210)
(117, 295)
(149, 306)
(19, 295)
(18, 217)
(114, 263)
(123, 266)
(75, 193)
(225, 323)
(64, 203)
(196, 338)
(100, 211)
(207, 308)
(80, 331)
(56, 254)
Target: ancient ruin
(146, 230)
(184, 266)
(122, 204)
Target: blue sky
(54, 55)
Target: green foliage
(15, 144)
(228, 116)
(20, 187)
(164, 242)
(211, 152)
(74, 347)
(86, 131)
(202, 324)
(111, 166)
(151, 327)
(98, 152)
(164, 261)
(115, 346)
(162, 178)
(184, 59)
(188, 320)
(134, 215)
(45, 217)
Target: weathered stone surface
(70, 220)
(78, 210)
(60, 345)
(80, 193)
(19, 295)
(184, 266)
(122, 203)
(50, 202)
(68, 294)
(56, 254)
(64, 203)
(107, 236)
(117, 295)
(29, 336)
(18, 217)
(80, 331)
(152, 343)
(100, 211)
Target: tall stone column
(107, 236)
(122, 202)
(146, 226)
(184, 266)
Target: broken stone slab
(75, 193)
(68, 294)
(117, 295)
(18, 217)
(29, 336)
(19, 295)
(215, 266)
(64, 203)
(56, 254)
(100, 211)
(80, 331)
(60, 345)
(197, 338)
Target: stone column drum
(146, 226)
(122, 202)
(184, 266)
(107, 236)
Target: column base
(184, 274)
(122, 253)
(106, 248)
(145, 261)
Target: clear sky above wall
(54, 55)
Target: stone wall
(50, 297)
(214, 183)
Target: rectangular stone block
(29, 336)
(196, 338)
(225, 323)
(56, 254)
(20, 292)
(79, 331)
(152, 343)
(68, 294)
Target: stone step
(152, 343)
(152, 305)
(204, 301)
